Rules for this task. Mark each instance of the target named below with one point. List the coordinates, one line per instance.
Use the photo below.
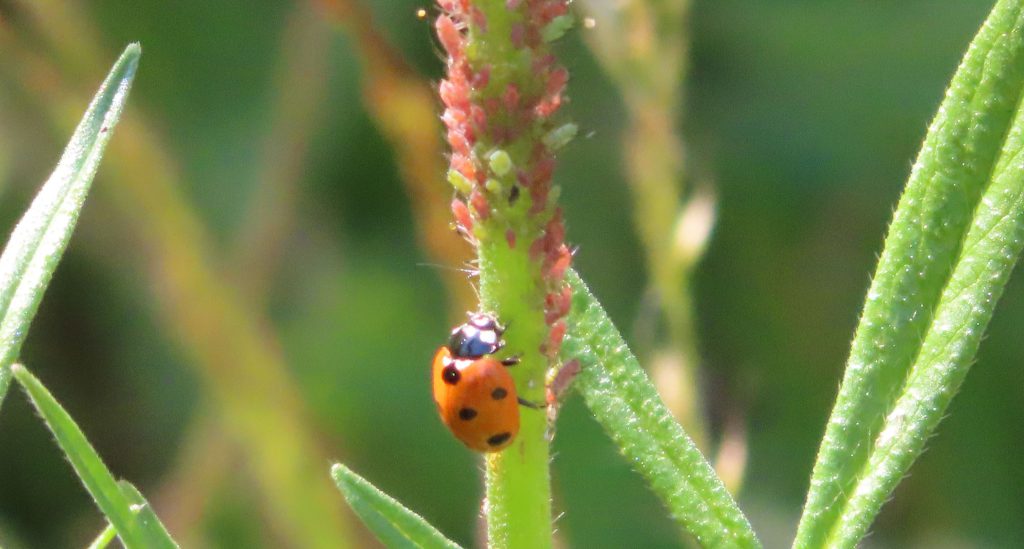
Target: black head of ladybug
(479, 336)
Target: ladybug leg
(510, 361)
(531, 405)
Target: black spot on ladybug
(451, 375)
(498, 439)
(499, 393)
(467, 414)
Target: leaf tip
(339, 473)
(130, 57)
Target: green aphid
(560, 136)
(500, 162)
(557, 28)
(493, 185)
(462, 184)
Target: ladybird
(474, 392)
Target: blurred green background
(805, 117)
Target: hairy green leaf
(37, 243)
(623, 400)
(125, 509)
(393, 524)
(954, 238)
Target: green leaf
(954, 239)
(143, 513)
(37, 243)
(623, 400)
(155, 532)
(393, 524)
(125, 509)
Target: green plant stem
(518, 483)
(510, 142)
(952, 241)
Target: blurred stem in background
(234, 349)
(203, 466)
(644, 47)
(300, 85)
(405, 109)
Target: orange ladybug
(475, 395)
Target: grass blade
(622, 398)
(37, 243)
(953, 240)
(132, 522)
(393, 524)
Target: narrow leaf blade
(876, 430)
(39, 240)
(98, 480)
(991, 249)
(393, 524)
(155, 532)
(625, 402)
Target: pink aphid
(481, 78)
(536, 251)
(479, 117)
(454, 95)
(458, 141)
(517, 35)
(461, 214)
(453, 118)
(464, 165)
(562, 260)
(511, 97)
(480, 204)
(555, 337)
(449, 35)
